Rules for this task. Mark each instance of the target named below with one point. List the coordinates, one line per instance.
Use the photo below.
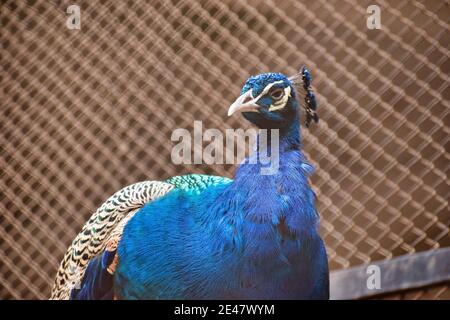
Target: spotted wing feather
(103, 230)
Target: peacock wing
(103, 230)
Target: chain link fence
(86, 112)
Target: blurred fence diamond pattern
(86, 112)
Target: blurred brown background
(86, 112)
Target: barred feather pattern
(103, 229)
(113, 239)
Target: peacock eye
(277, 93)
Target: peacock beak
(245, 102)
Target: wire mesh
(86, 112)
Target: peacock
(209, 237)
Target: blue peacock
(208, 237)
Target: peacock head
(269, 100)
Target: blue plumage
(254, 237)
(97, 283)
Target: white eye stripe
(280, 104)
(267, 88)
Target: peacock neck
(281, 140)
(284, 195)
(290, 136)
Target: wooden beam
(400, 273)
